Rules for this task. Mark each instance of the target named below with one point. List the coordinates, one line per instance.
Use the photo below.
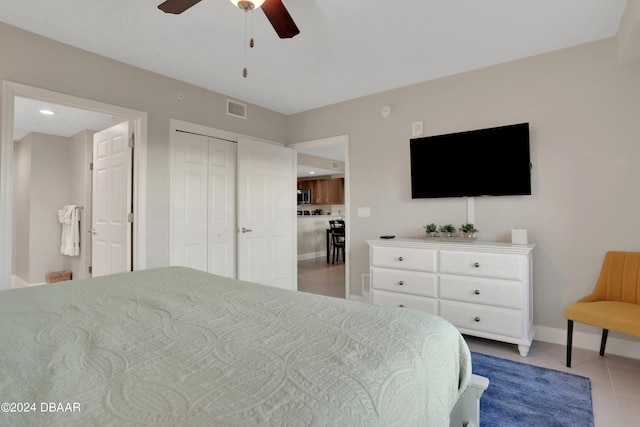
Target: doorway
(323, 160)
(11, 91)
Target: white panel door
(266, 214)
(203, 195)
(188, 238)
(222, 235)
(111, 200)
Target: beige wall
(36, 61)
(585, 127)
(584, 111)
(41, 187)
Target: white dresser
(484, 288)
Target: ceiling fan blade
(177, 6)
(280, 19)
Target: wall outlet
(364, 212)
(417, 129)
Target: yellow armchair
(615, 301)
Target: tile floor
(316, 276)
(615, 380)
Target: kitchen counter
(312, 235)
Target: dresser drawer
(494, 320)
(404, 258)
(393, 299)
(503, 266)
(408, 282)
(477, 290)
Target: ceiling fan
(274, 9)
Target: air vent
(335, 165)
(236, 109)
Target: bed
(176, 346)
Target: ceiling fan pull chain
(244, 70)
(251, 41)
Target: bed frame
(466, 413)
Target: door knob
(246, 230)
(93, 231)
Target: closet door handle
(93, 231)
(245, 230)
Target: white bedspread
(175, 346)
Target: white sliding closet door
(266, 214)
(203, 198)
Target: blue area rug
(525, 395)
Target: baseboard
(18, 282)
(362, 298)
(312, 255)
(589, 341)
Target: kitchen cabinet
(306, 185)
(485, 289)
(326, 191)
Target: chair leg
(603, 343)
(569, 341)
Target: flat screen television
(484, 162)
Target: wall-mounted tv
(484, 162)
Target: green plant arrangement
(430, 229)
(447, 230)
(468, 230)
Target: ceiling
(65, 121)
(335, 151)
(346, 49)
(68, 121)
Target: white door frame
(9, 91)
(340, 139)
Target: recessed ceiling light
(47, 112)
(312, 173)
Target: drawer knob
(477, 292)
(401, 306)
(477, 319)
(400, 259)
(476, 264)
(400, 283)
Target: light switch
(364, 212)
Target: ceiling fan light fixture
(247, 5)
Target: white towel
(70, 236)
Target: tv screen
(485, 162)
